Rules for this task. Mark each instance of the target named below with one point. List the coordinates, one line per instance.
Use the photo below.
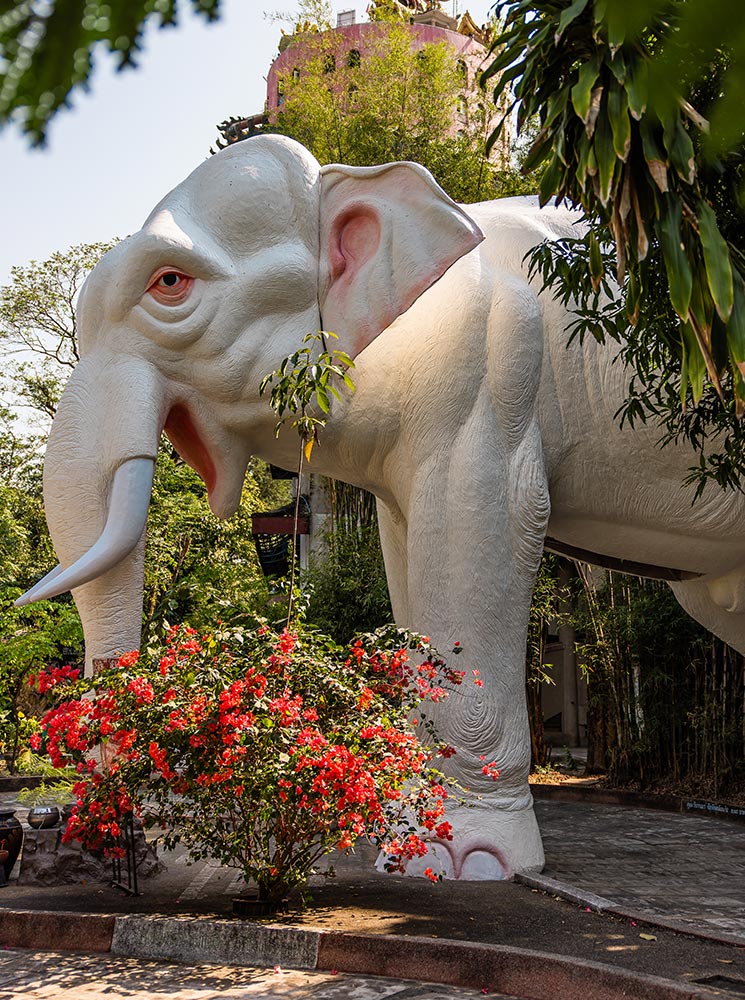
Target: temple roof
(468, 26)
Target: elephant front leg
(476, 524)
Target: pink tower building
(354, 40)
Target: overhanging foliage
(46, 49)
(624, 136)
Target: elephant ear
(387, 234)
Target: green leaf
(616, 29)
(736, 325)
(568, 15)
(656, 160)
(323, 399)
(504, 59)
(605, 155)
(618, 112)
(509, 74)
(541, 148)
(717, 261)
(582, 90)
(600, 8)
(680, 148)
(596, 262)
(556, 106)
(551, 179)
(618, 67)
(637, 88)
(496, 132)
(694, 364)
(679, 277)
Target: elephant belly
(652, 547)
(614, 490)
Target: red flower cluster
(263, 750)
(490, 769)
(47, 679)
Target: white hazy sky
(137, 133)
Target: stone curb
(579, 896)
(47, 930)
(600, 904)
(638, 800)
(219, 942)
(497, 968)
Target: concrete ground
(65, 976)
(670, 890)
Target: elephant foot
(488, 845)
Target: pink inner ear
(355, 238)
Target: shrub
(263, 750)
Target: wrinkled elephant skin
(473, 424)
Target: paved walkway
(656, 865)
(686, 868)
(64, 976)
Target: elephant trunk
(97, 480)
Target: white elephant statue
(477, 429)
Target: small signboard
(716, 809)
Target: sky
(138, 133)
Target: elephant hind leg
(698, 599)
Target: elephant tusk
(51, 575)
(125, 523)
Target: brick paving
(687, 868)
(65, 976)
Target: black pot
(11, 838)
(43, 817)
(252, 906)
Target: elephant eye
(170, 286)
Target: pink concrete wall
(360, 37)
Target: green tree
(623, 98)
(39, 634)
(46, 49)
(548, 598)
(392, 103)
(346, 581)
(309, 15)
(37, 321)
(664, 696)
(32, 638)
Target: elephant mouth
(185, 438)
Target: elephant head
(179, 323)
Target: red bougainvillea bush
(262, 750)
